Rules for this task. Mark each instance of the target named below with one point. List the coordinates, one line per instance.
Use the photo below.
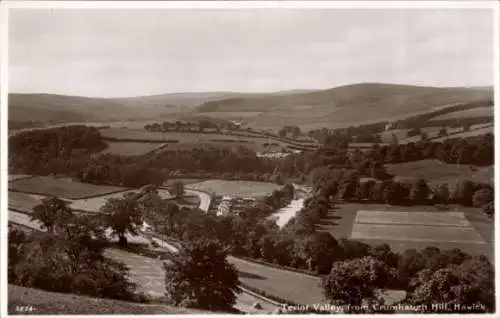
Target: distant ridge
(349, 103)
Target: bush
(482, 197)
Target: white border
(8, 4)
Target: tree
(464, 192)
(424, 136)
(442, 193)
(351, 282)
(391, 192)
(482, 197)
(442, 132)
(466, 288)
(200, 276)
(123, 216)
(177, 189)
(394, 140)
(419, 192)
(489, 209)
(52, 213)
(321, 250)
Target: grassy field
(416, 233)
(401, 235)
(140, 134)
(415, 226)
(436, 172)
(185, 181)
(235, 188)
(190, 201)
(187, 140)
(14, 177)
(61, 187)
(94, 204)
(420, 218)
(130, 148)
(468, 113)
(471, 133)
(23, 202)
(48, 303)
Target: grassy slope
(62, 187)
(48, 303)
(436, 172)
(346, 105)
(62, 108)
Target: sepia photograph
(248, 157)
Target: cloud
(138, 52)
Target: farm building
(272, 154)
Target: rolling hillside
(347, 105)
(51, 108)
(336, 107)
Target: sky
(118, 53)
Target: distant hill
(341, 106)
(45, 108)
(61, 108)
(346, 105)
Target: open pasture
(14, 177)
(23, 202)
(415, 226)
(437, 172)
(130, 148)
(470, 133)
(235, 188)
(61, 187)
(416, 233)
(94, 204)
(185, 181)
(139, 134)
(467, 113)
(414, 218)
(402, 227)
(184, 140)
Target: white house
(225, 206)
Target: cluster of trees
(347, 185)
(451, 278)
(474, 151)
(68, 257)
(41, 150)
(336, 153)
(292, 131)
